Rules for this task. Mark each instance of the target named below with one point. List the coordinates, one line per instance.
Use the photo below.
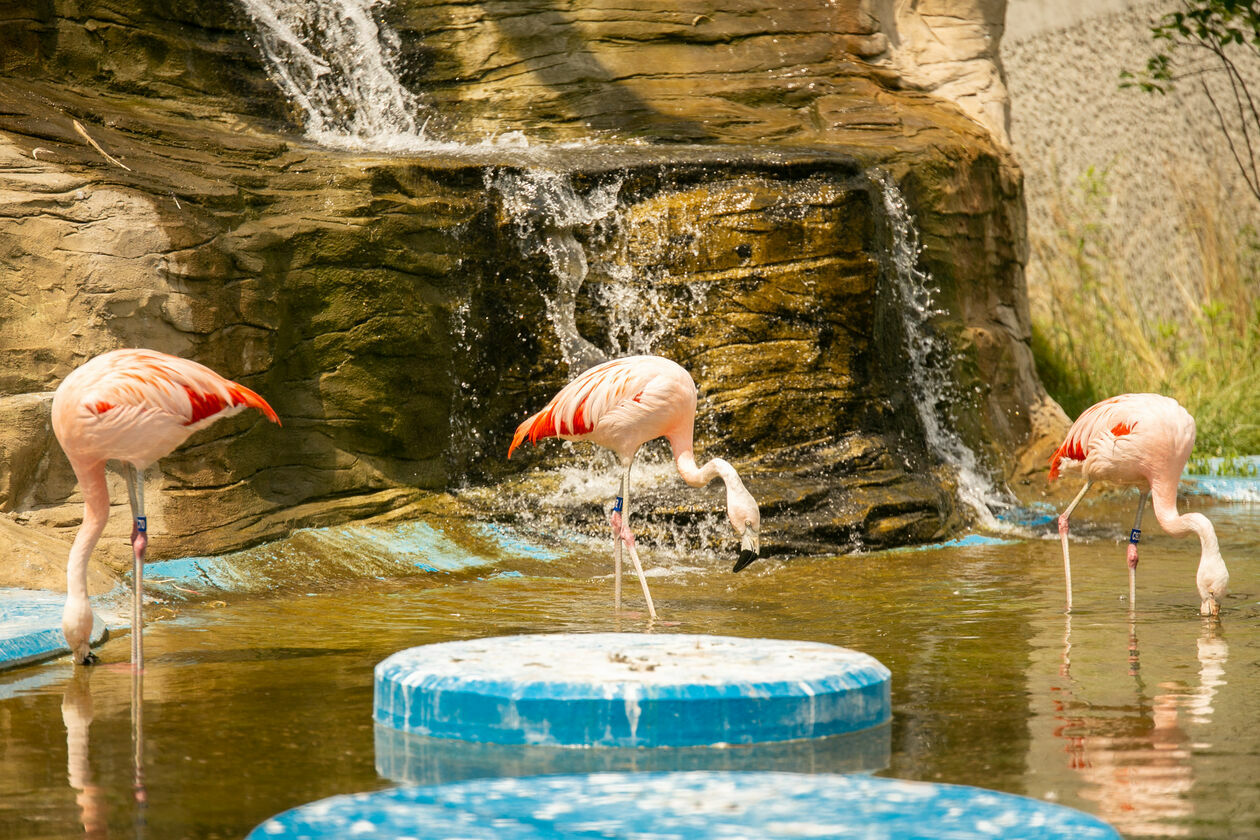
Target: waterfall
(930, 355)
(547, 211)
(334, 60)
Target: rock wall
(1159, 163)
(951, 48)
(387, 309)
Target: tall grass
(1195, 336)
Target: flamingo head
(1212, 577)
(1213, 582)
(76, 624)
(745, 518)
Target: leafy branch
(1205, 39)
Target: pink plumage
(623, 404)
(1129, 439)
(139, 405)
(620, 405)
(133, 406)
(1142, 441)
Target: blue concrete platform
(685, 805)
(630, 690)
(30, 627)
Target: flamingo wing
(146, 381)
(1116, 417)
(140, 404)
(579, 406)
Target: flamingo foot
(139, 541)
(621, 530)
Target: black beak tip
(745, 557)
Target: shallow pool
(253, 706)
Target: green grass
(1092, 339)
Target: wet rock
(391, 310)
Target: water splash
(930, 358)
(336, 62)
(548, 212)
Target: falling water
(337, 63)
(548, 212)
(930, 355)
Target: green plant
(1092, 338)
(1206, 39)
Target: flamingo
(133, 406)
(1143, 441)
(621, 405)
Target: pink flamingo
(133, 406)
(1144, 441)
(621, 405)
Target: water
(254, 705)
(548, 211)
(931, 359)
(336, 62)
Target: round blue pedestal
(630, 690)
(685, 805)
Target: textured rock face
(950, 47)
(397, 310)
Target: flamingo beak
(1210, 606)
(749, 548)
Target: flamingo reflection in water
(1136, 756)
(77, 713)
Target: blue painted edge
(1034, 515)
(628, 713)
(38, 644)
(414, 545)
(965, 541)
(686, 805)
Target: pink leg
(623, 535)
(1063, 538)
(1131, 554)
(139, 542)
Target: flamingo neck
(95, 515)
(1164, 502)
(685, 460)
(737, 496)
(1164, 498)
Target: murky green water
(260, 705)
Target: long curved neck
(685, 459)
(95, 515)
(1164, 502)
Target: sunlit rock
(398, 310)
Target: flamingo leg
(1132, 553)
(617, 525)
(621, 528)
(1063, 538)
(617, 573)
(139, 541)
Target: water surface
(253, 706)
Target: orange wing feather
(1086, 429)
(578, 406)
